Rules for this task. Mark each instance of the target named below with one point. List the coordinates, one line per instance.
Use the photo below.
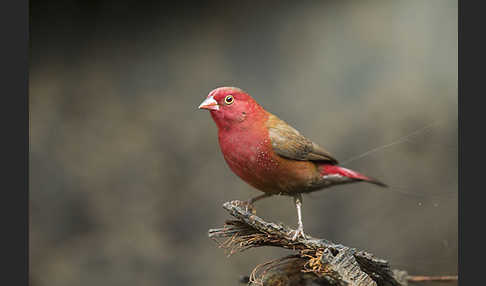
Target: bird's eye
(229, 99)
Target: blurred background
(126, 175)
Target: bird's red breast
(249, 154)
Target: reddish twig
(431, 278)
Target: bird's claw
(299, 232)
(248, 207)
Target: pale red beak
(209, 103)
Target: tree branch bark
(318, 260)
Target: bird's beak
(209, 103)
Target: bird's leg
(249, 203)
(300, 229)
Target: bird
(271, 155)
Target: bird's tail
(330, 170)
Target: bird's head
(230, 106)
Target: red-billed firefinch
(271, 155)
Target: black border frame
(14, 59)
(470, 76)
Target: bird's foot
(299, 232)
(248, 205)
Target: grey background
(126, 175)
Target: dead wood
(317, 261)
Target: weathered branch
(317, 260)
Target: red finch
(271, 155)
